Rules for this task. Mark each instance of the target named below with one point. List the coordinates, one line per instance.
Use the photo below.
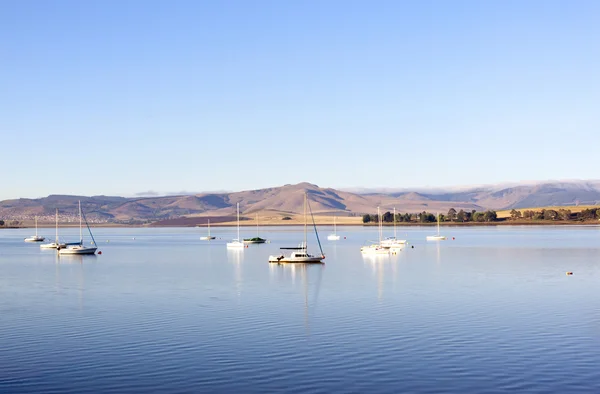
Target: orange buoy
(99, 252)
(453, 238)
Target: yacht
(36, 237)
(300, 254)
(79, 248)
(236, 243)
(56, 244)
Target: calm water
(491, 311)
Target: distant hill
(288, 199)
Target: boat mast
(209, 227)
(438, 224)
(36, 227)
(394, 223)
(334, 228)
(257, 224)
(238, 220)
(80, 231)
(379, 222)
(305, 222)
(57, 226)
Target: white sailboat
(437, 237)
(237, 243)
(208, 237)
(79, 248)
(376, 248)
(300, 254)
(257, 239)
(56, 244)
(334, 236)
(393, 242)
(36, 237)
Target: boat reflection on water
(384, 267)
(308, 276)
(235, 256)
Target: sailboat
(393, 242)
(334, 236)
(257, 239)
(300, 254)
(437, 237)
(36, 237)
(376, 248)
(208, 237)
(56, 244)
(79, 247)
(236, 243)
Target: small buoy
(344, 237)
(453, 238)
(569, 273)
(133, 238)
(412, 246)
(99, 252)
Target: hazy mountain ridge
(289, 199)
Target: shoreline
(401, 224)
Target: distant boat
(300, 254)
(393, 242)
(79, 248)
(56, 244)
(36, 237)
(334, 236)
(236, 243)
(257, 239)
(437, 237)
(208, 237)
(376, 248)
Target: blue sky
(121, 97)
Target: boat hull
(255, 242)
(236, 245)
(436, 237)
(35, 239)
(206, 238)
(52, 245)
(288, 259)
(333, 237)
(78, 250)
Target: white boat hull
(292, 259)
(436, 237)
(34, 239)
(374, 250)
(52, 245)
(71, 250)
(206, 238)
(236, 245)
(333, 237)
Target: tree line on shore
(462, 216)
(552, 214)
(427, 217)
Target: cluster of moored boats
(391, 245)
(67, 248)
(298, 254)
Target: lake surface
(161, 311)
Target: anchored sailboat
(376, 248)
(208, 237)
(36, 237)
(334, 236)
(393, 242)
(300, 254)
(257, 239)
(437, 237)
(56, 244)
(236, 243)
(79, 247)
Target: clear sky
(121, 97)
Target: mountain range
(288, 199)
